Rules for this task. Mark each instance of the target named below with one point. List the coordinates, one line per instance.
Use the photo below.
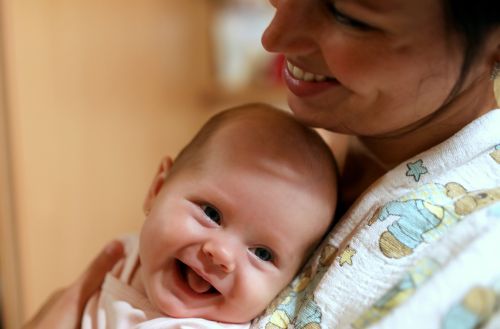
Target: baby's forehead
(261, 135)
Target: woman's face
(365, 67)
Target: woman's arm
(65, 307)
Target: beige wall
(9, 269)
(97, 91)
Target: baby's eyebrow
(218, 197)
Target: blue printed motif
(416, 169)
(460, 317)
(494, 211)
(416, 218)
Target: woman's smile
(303, 83)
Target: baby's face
(222, 240)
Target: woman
(412, 82)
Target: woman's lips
(302, 88)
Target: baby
(228, 225)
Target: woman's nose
(220, 254)
(292, 29)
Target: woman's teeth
(300, 74)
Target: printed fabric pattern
(419, 249)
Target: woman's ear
(156, 185)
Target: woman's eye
(212, 213)
(263, 253)
(346, 20)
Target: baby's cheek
(264, 291)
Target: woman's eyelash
(346, 20)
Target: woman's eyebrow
(374, 6)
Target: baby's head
(233, 219)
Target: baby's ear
(156, 185)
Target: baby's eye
(212, 213)
(263, 253)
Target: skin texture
(393, 73)
(264, 198)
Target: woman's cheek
(355, 63)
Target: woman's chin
(311, 115)
(302, 112)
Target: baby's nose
(220, 255)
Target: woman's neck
(368, 158)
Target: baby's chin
(220, 313)
(209, 307)
(170, 293)
(208, 313)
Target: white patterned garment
(419, 249)
(118, 305)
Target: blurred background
(92, 95)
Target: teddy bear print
(427, 216)
(468, 202)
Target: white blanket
(419, 249)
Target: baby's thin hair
(307, 141)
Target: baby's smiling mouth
(197, 283)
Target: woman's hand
(64, 308)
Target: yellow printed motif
(496, 154)
(346, 256)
